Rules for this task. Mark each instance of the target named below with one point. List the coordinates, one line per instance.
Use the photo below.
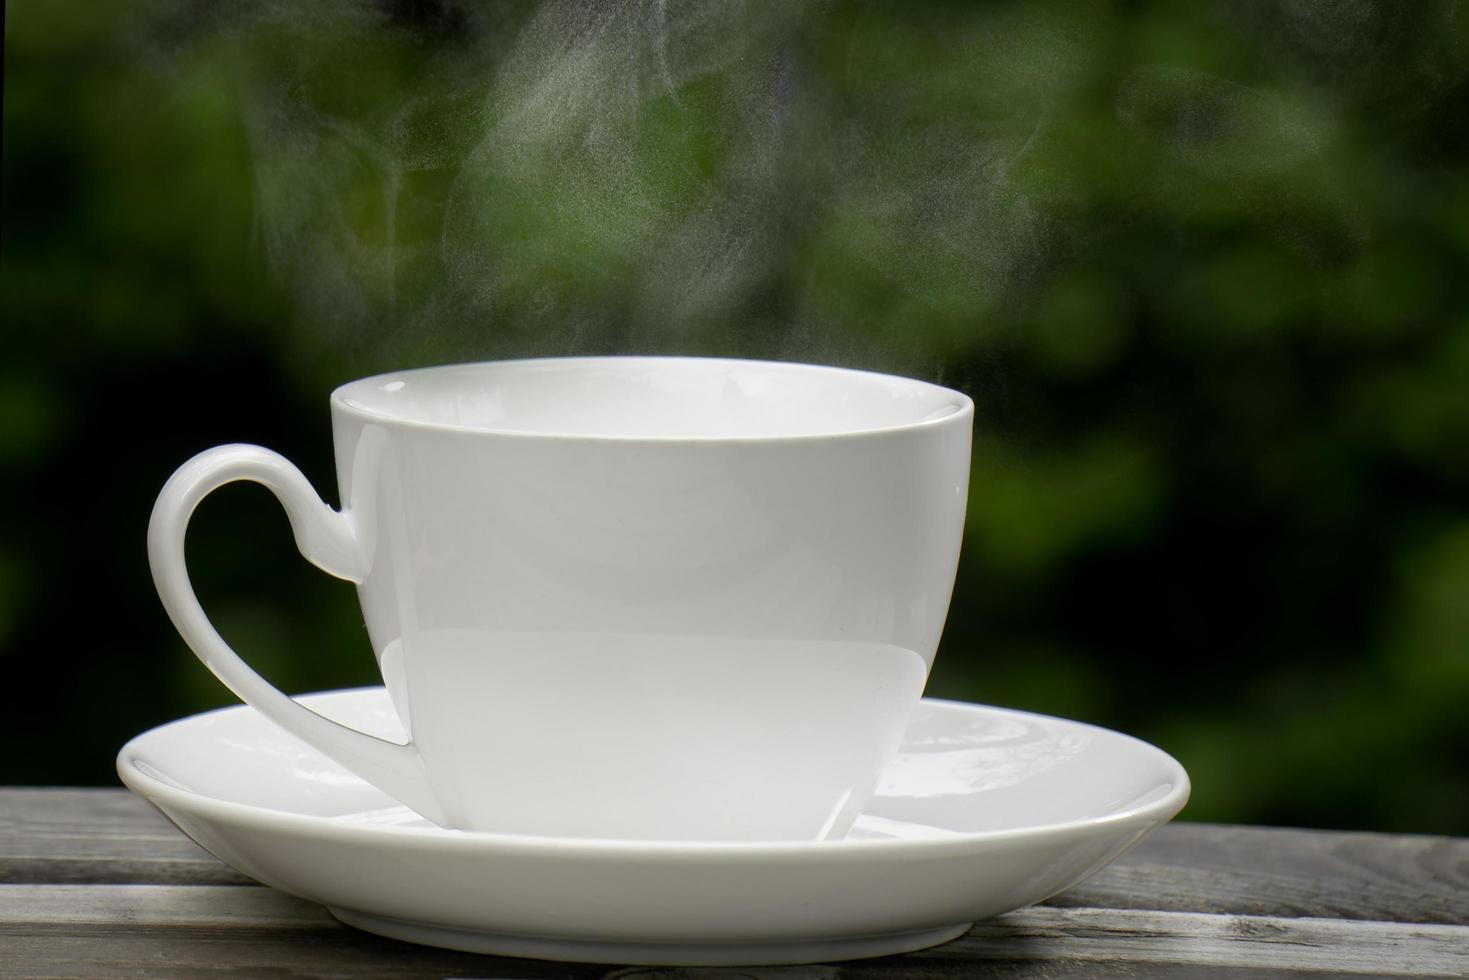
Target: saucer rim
(169, 797)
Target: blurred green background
(1203, 266)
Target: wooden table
(97, 883)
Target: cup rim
(961, 406)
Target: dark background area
(1202, 266)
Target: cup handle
(328, 539)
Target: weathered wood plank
(915, 967)
(210, 930)
(113, 837)
(1197, 939)
(159, 906)
(132, 930)
(97, 836)
(1285, 872)
(337, 953)
(346, 954)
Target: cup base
(651, 954)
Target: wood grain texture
(1247, 941)
(99, 883)
(1286, 872)
(113, 837)
(97, 836)
(920, 966)
(133, 930)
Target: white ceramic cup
(637, 597)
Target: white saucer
(984, 810)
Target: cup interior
(650, 398)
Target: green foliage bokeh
(1202, 266)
